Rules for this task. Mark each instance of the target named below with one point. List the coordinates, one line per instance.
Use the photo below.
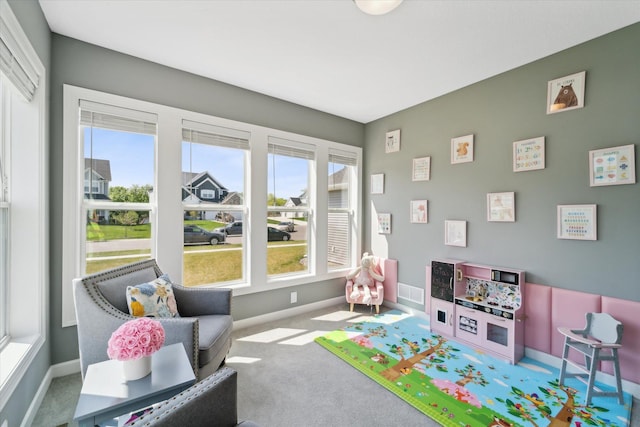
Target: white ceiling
(327, 55)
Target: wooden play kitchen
(481, 306)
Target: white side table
(106, 395)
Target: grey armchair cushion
(211, 402)
(101, 307)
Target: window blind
(343, 157)
(215, 135)
(283, 147)
(15, 65)
(117, 118)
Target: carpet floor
(286, 379)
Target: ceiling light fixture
(377, 7)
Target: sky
(131, 159)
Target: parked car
(286, 226)
(194, 234)
(230, 229)
(275, 234)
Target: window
(289, 167)
(342, 169)
(213, 157)
(4, 221)
(118, 173)
(23, 203)
(252, 212)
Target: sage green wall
(498, 111)
(34, 25)
(89, 66)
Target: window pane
(4, 222)
(116, 237)
(213, 179)
(339, 215)
(288, 183)
(4, 241)
(118, 167)
(213, 250)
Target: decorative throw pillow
(153, 299)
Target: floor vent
(411, 293)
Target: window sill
(15, 359)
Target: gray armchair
(204, 326)
(211, 402)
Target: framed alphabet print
(501, 207)
(455, 233)
(419, 213)
(566, 93)
(578, 222)
(612, 166)
(462, 149)
(421, 170)
(392, 143)
(528, 154)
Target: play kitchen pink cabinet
(487, 310)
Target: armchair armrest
(202, 301)
(212, 401)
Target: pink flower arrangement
(135, 339)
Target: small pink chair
(377, 293)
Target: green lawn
(96, 232)
(216, 264)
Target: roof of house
(189, 178)
(99, 166)
(233, 198)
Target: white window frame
(168, 244)
(24, 132)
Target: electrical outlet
(294, 297)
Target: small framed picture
(421, 170)
(392, 143)
(455, 233)
(462, 149)
(501, 207)
(612, 166)
(384, 223)
(377, 183)
(578, 222)
(419, 213)
(528, 154)
(566, 93)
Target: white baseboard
(30, 415)
(54, 371)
